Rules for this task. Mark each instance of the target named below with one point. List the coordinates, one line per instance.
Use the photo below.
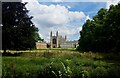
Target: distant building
(41, 45)
(69, 44)
(57, 42)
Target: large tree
(101, 34)
(18, 31)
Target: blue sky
(65, 17)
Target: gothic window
(54, 41)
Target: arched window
(54, 41)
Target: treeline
(102, 33)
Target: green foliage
(101, 33)
(18, 31)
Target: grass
(60, 64)
(0, 66)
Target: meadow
(60, 63)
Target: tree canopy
(18, 31)
(101, 34)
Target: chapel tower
(57, 40)
(51, 39)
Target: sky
(67, 17)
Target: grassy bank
(61, 64)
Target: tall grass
(57, 64)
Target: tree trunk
(4, 51)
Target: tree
(86, 36)
(18, 31)
(101, 33)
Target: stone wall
(41, 45)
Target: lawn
(60, 63)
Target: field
(60, 63)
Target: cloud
(29, 1)
(111, 2)
(87, 17)
(56, 18)
(72, 0)
(69, 7)
(60, 0)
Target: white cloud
(55, 18)
(87, 17)
(63, 0)
(111, 2)
(29, 1)
(76, 15)
(72, 0)
(69, 7)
